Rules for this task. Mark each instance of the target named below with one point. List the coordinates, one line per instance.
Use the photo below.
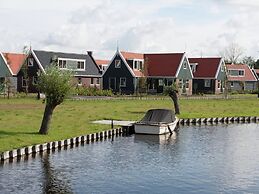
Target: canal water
(199, 159)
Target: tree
(256, 64)
(56, 85)
(172, 91)
(248, 60)
(232, 53)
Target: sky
(197, 27)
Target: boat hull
(155, 129)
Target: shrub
(91, 91)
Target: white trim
(37, 60)
(181, 63)
(221, 62)
(7, 65)
(124, 61)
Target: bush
(89, 91)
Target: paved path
(115, 122)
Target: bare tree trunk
(46, 118)
(174, 97)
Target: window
(140, 65)
(207, 83)
(180, 83)
(193, 67)
(80, 65)
(97, 80)
(184, 65)
(222, 68)
(62, 64)
(117, 63)
(30, 62)
(123, 81)
(24, 82)
(231, 84)
(241, 73)
(187, 84)
(79, 81)
(135, 64)
(160, 82)
(219, 84)
(92, 80)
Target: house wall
(185, 74)
(240, 86)
(117, 73)
(199, 86)
(31, 72)
(86, 81)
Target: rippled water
(199, 159)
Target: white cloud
(139, 26)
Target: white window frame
(185, 65)
(123, 83)
(79, 63)
(187, 84)
(218, 84)
(160, 82)
(67, 61)
(207, 83)
(241, 70)
(30, 62)
(231, 84)
(62, 61)
(117, 63)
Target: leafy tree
(56, 85)
(173, 91)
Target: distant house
(163, 69)
(102, 64)
(209, 75)
(123, 72)
(241, 77)
(86, 71)
(10, 65)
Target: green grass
(20, 119)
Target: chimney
(90, 53)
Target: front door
(112, 83)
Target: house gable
(119, 72)
(221, 72)
(4, 70)
(184, 70)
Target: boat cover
(158, 116)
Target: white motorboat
(156, 122)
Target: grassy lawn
(20, 119)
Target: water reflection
(53, 182)
(164, 139)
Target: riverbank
(20, 118)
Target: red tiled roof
(163, 64)
(249, 76)
(130, 55)
(15, 61)
(138, 73)
(206, 67)
(102, 62)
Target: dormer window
(117, 63)
(237, 73)
(62, 64)
(138, 64)
(81, 65)
(193, 67)
(241, 73)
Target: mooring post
(112, 123)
